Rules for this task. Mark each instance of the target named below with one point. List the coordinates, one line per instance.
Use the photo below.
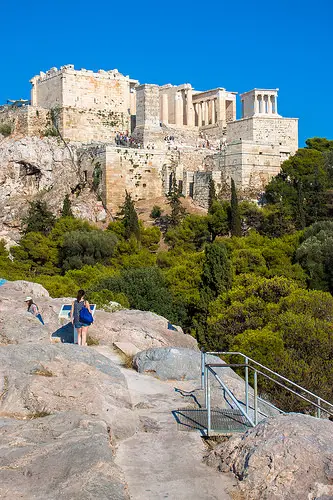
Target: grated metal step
(223, 421)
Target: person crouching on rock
(76, 311)
(33, 309)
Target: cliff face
(45, 168)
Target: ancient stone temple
(144, 135)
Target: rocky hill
(46, 168)
(76, 423)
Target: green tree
(235, 220)
(216, 273)
(320, 144)
(302, 184)
(218, 219)
(145, 289)
(81, 248)
(178, 212)
(67, 207)
(39, 218)
(191, 234)
(211, 194)
(129, 218)
(39, 252)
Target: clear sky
(240, 45)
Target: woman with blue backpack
(81, 317)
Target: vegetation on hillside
(256, 279)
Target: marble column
(199, 107)
(220, 105)
(178, 109)
(256, 104)
(206, 113)
(213, 112)
(269, 104)
(276, 110)
(165, 108)
(189, 108)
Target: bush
(5, 129)
(51, 132)
(156, 212)
(144, 288)
(83, 247)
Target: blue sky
(236, 45)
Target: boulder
(173, 363)
(47, 379)
(67, 455)
(289, 457)
(142, 328)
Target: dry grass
(126, 360)
(38, 414)
(42, 371)
(92, 341)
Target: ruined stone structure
(179, 131)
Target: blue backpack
(85, 316)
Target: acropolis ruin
(168, 130)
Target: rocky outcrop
(66, 455)
(173, 363)
(141, 328)
(38, 379)
(144, 329)
(45, 168)
(289, 457)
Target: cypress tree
(130, 218)
(235, 220)
(211, 195)
(39, 218)
(178, 212)
(216, 273)
(67, 207)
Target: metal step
(223, 421)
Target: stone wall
(274, 130)
(68, 87)
(92, 125)
(27, 120)
(143, 173)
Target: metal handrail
(208, 367)
(318, 404)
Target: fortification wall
(84, 89)
(92, 126)
(272, 130)
(27, 120)
(140, 172)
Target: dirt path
(160, 461)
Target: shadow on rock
(65, 333)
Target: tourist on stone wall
(33, 309)
(79, 309)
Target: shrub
(5, 129)
(156, 212)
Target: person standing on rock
(33, 309)
(81, 327)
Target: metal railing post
(209, 421)
(206, 386)
(255, 398)
(319, 408)
(247, 385)
(203, 362)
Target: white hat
(27, 299)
